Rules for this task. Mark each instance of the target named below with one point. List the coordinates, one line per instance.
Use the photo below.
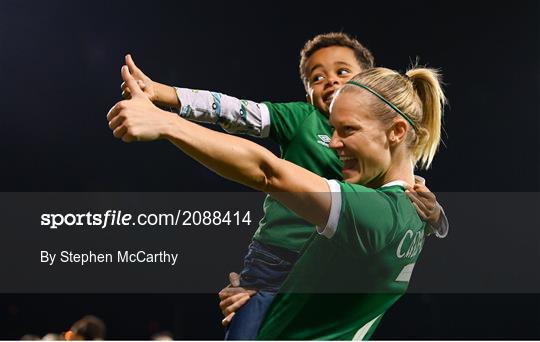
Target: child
(303, 133)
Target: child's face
(327, 69)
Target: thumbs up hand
(137, 119)
(145, 83)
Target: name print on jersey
(415, 242)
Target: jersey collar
(401, 183)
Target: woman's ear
(397, 132)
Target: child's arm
(234, 158)
(234, 115)
(158, 93)
(428, 208)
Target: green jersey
(353, 271)
(303, 134)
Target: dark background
(60, 73)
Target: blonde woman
(370, 234)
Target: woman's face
(359, 139)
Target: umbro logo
(323, 139)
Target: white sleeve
(335, 209)
(234, 115)
(442, 227)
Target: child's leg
(247, 320)
(265, 269)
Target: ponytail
(426, 83)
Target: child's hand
(138, 119)
(144, 82)
(425, 202)
(232, 298)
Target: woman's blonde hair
(417, 94)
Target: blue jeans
(265, 268)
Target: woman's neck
(402, 168)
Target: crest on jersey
(323, 140)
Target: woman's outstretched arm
(232, 157)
